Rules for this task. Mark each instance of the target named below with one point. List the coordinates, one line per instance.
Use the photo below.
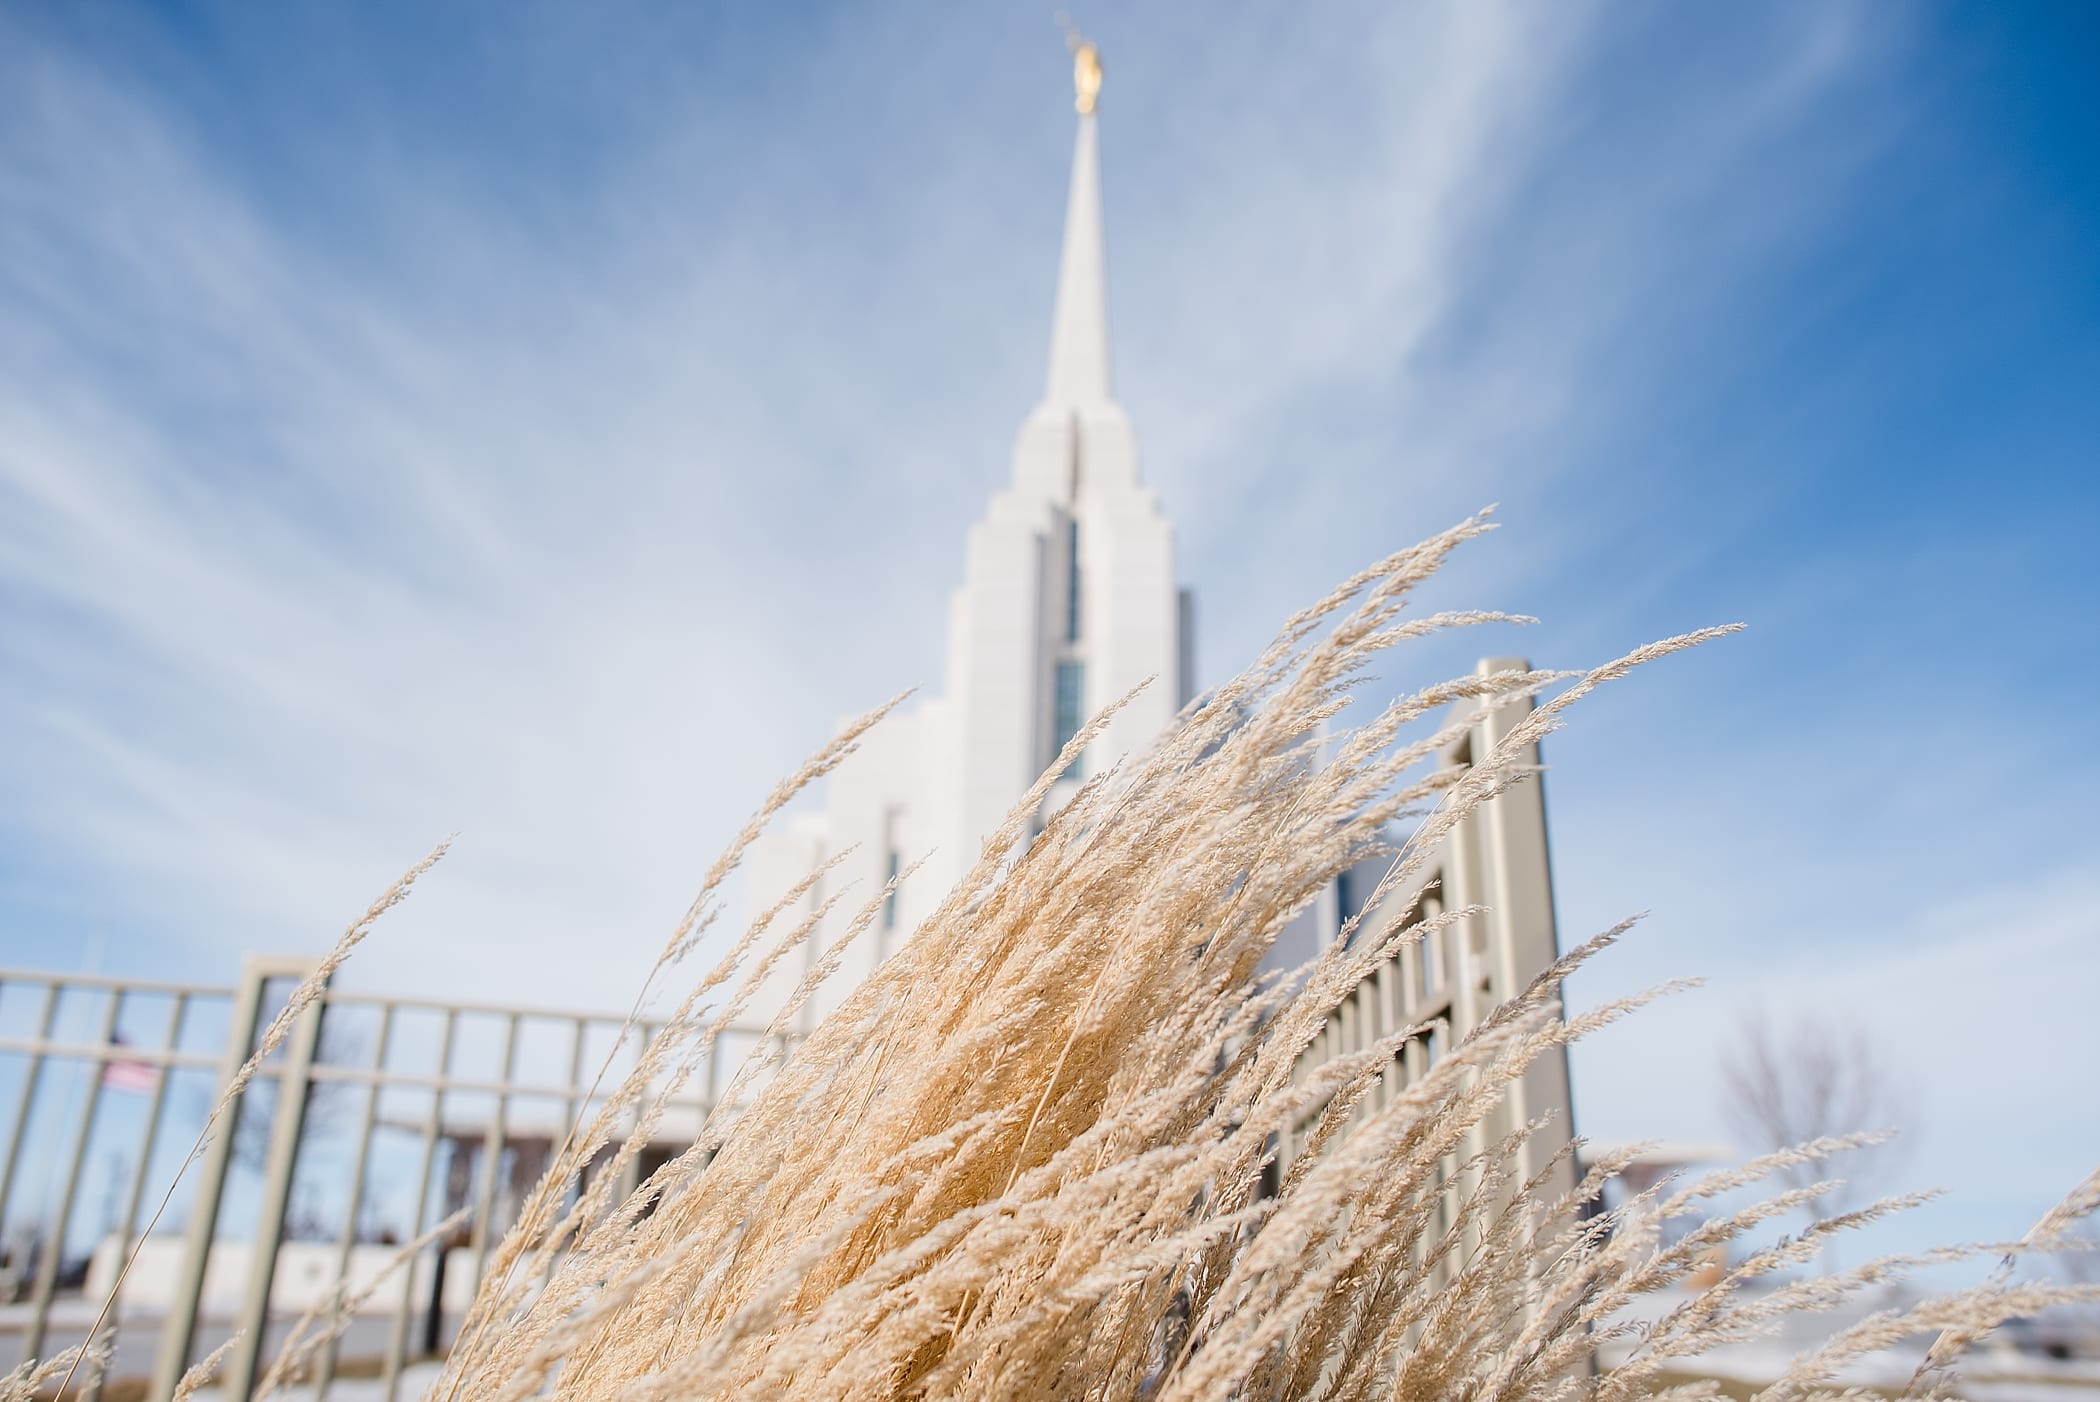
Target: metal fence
(378, 1118)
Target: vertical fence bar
(631, 1173)
(576, 1105)
(180, 1330)
(48, 1260)
(135, 1198)
(573, 1107)
(714, 1078)
(492, 1159)
(397, 1339)
(1383, 984)
(293, 1082)
(346, 1244)
(32, 1075)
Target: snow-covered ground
(416, 1379)
(1994, 1372)
(1997, 1372)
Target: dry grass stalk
(330, 1316)
(1025, 1158)
(35, 1378)
(303, 996)
(199, 1374)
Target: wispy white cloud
(1467, 297)
(310, 580)
(321, 570)
(565, 503)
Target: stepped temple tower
(1068, 601)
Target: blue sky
(542, 422)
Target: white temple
(1068, 602)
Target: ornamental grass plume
(1035, 1154)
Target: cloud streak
(547, 435)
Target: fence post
(135, 1199)
(346, 1243)
(278, 1167)
(433, 1127)
(184, 1305)
(492, 1147)
(55, 1246)
(32, 1074)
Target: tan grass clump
(1024, 1159)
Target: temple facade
(1069, 600)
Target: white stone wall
(306, 1276)
(934, 783)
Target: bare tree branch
(1814, 1078)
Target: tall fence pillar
(282, 1160)
(179, 1333)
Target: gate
(378, 1117)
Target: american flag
(126, 1074)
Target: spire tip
(1086, 66)
(1086, 78)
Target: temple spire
(1079, 329)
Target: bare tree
(2078, 1259)
(326, 1101)
(1816, 1078)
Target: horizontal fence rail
(376, 1120)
